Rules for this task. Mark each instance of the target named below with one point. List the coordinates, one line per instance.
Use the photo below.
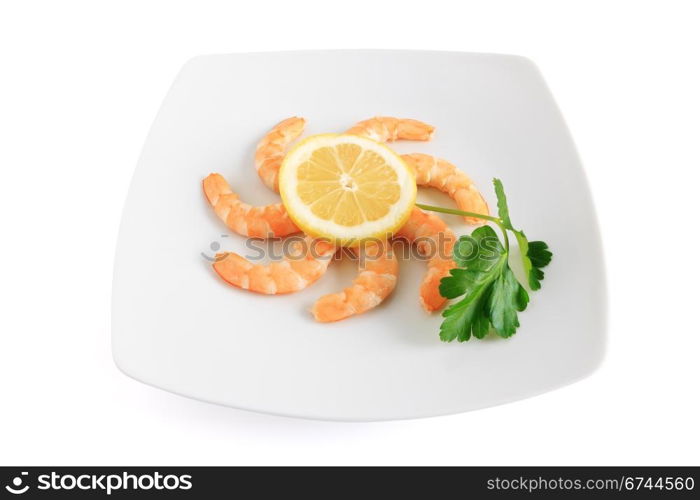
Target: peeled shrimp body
(436, 241)
(307, 261)
(246, 220)
(375, 282)
(430, 171)
(271, 149)
(387, 129)
(378, 270)
(443, 175)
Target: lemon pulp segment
(346, 187)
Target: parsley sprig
(491, 294)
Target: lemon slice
(346, 188)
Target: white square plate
(176, 326)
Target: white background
(80, 83)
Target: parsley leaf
(502, 203)
(534, 254)
(491, 295)
(539, 255)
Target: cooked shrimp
(434, 240)
(256, 222)
(270, 151)
(376, 280)
(307, 261)
(387, 128)
(443, 175)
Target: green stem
(463, 213)
(454, 211)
